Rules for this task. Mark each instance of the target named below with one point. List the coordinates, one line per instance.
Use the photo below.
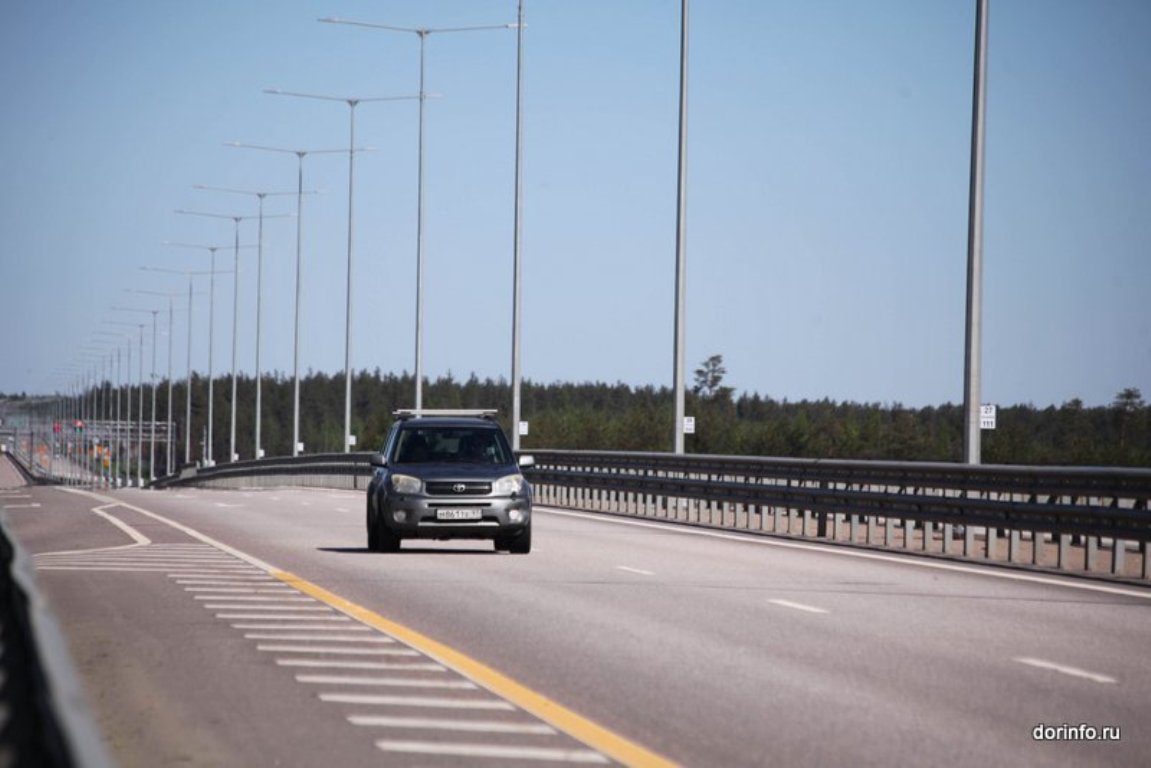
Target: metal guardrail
(1092, 520)
(1072, 519)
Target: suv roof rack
(475, 413)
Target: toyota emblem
(459, 487)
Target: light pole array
(190, 274)
(211, 328)
(118, 464)
(140, 408)
(152, 450)
(257, 445)
(352, 103)
(422, 33)
(300, 155)
(169, 457)
(236, 219)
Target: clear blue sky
(828, 183)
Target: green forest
(601, 416)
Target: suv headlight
(407, 484)
(508, 486)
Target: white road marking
(378, 666)
(230, 581)
(347, 626)
(280, 598)
(798, 606)
(638, 571)
(367, 699)
(397, 682)
(136, 536)
(471, 726)
(62, 563)
(100, 568)
(237, 592)
(22, 506)
(337, 651)
(279, 617)
(293, 634)
(1066, 670)
(191, 532)
(277, 606)
(493, 751)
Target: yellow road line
(596, 736)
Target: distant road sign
(987, 416)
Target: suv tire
(520, 544)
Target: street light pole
(422, 33)
(973, 342)
(679, 373)
(517, 238)
(352, 103)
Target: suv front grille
(458, 488)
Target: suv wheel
(386, 541)
(517, 545)
(373, 537)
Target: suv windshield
(472, 445)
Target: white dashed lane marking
(798, 606)
(1064, 669)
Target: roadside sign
(987, 416)
(689, 425)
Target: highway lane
(708, 649)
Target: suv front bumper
(475, 517)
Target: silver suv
(448, 475)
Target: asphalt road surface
(221, 628)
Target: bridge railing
(324, 470)
(1091, 520)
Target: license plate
(459, 514)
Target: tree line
(601, 416)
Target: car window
(471, 445)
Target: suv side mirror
(379, 460)
(526, 461)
